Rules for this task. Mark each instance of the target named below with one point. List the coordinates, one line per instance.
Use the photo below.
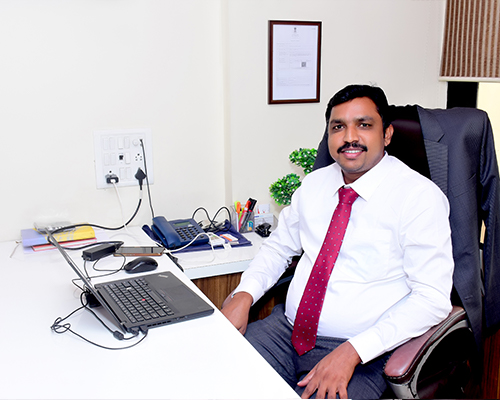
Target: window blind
(471, 46)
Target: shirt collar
(366, 185)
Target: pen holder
(244, 222)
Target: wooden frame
(294, 62)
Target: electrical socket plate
(119, 152)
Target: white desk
(202, 358)
(201, 264)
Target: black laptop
(146, 301)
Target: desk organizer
(247, 221)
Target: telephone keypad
(187, 233)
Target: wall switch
(120, 153)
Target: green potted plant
(282, 190)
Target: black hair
(351, 92)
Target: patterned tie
(306, 321)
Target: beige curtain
(471, 46)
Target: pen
(247, 212)
(243, 213)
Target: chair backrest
(407, 143)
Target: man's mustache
(352, 146)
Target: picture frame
(294, 62)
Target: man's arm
(424, 236)
(265, 269)
(237, 310)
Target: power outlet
(120, 153)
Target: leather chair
(441, 362)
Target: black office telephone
(178, 233)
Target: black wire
(201, 208)
(110, 272)
(114, 333)
(74, 280)
(104, 227)
(59, 328)
(99, 226)
(223, 208)
(147, 179)
(212, 227)
(117, 242)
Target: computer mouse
(140, 264)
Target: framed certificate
(294, 62)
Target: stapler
(263, 229)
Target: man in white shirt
(393, 275)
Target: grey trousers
(272, 339)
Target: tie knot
(347, 195)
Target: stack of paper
(79, 236)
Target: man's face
(356, 137)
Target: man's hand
(237, 310)
(332, 374)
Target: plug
(111, 178)
(140, 176)
(118, 335)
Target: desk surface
(202, 358)
(221, 261)
(202, 264)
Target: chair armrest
(404, 365)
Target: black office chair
(440, 363)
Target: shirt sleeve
(425, 239)
(275, 254)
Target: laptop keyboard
(136, 299)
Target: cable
(121, 206)
(99, 226)
(86, 246)
(60, 328)
(139, 178)
(147, 179)
(18, 242)
(187, 245)
(212, 227)
(140, 175)
(117, 243)
(209, 234)
(108, 271)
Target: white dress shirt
(393, 276)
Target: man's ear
(388, 135)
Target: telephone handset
(178, 233)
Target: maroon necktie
(306, 322)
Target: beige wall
(72, 67)
(395, 44)
(488, 98)
(195, 73)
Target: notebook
(165, 297)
